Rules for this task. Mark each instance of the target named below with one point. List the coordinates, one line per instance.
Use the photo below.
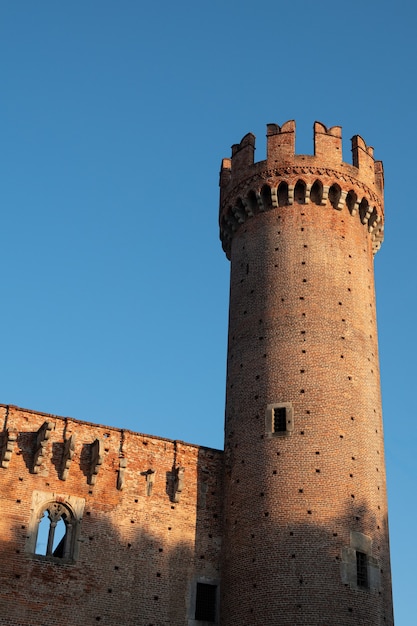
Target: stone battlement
(281, 150)
(286, 178)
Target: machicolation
(248, 188)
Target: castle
(287, 525)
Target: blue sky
(114, 118)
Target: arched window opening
(300, 192)
(363, 210)
(334, 195)
(253, 202)
(316, 193)
(54, 526)
(266, 198)
(54, 532)
(351, 201)
(283, 194)
(373, 220)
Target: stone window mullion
(51, 535)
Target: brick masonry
(139, 554)
(301, 232)
(277, 519)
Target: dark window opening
(266, 198)
(316, 192)
(205, 603)
(361, 569)
(363, 210)
(351, 200)
(300, 192)
(283, 194)
(280, 419)
(253, 202)
(334, 195)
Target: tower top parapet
(242, 180)
(281, 151)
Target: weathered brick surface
(139, 554)
(277, 518)
(302, 329)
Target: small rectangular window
(361, 569)
(205, 603)
(280, 419)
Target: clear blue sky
(114, 118)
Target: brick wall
(279, 517)
(302, 330)
(139, 555)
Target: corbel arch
(352, 202)
(364, 210)
(374, 220)
(252, 202)
(316, 192)
(300, 192)
(239, 211)
(334, 195)
(282, 193)
(266, 197)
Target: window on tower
(362, 569)
(359, 569)
(279, 419)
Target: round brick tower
(306, 533)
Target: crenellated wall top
(248, 187)
(281, 152)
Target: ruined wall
(148, 513)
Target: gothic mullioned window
(54, 526)
(55, 530)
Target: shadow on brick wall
(289, 570)
(137, 581)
